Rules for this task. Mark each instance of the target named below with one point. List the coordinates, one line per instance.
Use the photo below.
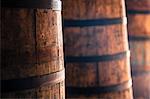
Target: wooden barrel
(32, 50)
(139, 38)
(96, 49)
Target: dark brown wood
(139, 39)
(32, 52)
(95, 37)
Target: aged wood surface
(139, 39)
(96, 41)
(32, 46)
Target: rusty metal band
(71, 59)
(139, 38)
(45, 4)
(137, 73)
(93, 22)
(138, 11)
(32, 82)
(97, 90)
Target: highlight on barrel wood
(139, 38)
(32, 50)
(96, 49)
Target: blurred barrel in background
(139, 37)
(32, 49)
(96, 49)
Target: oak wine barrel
(138, 12)
(96, 49)
(32, 50)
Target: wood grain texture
(96, 41)
(32, 46)
(138, 26)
